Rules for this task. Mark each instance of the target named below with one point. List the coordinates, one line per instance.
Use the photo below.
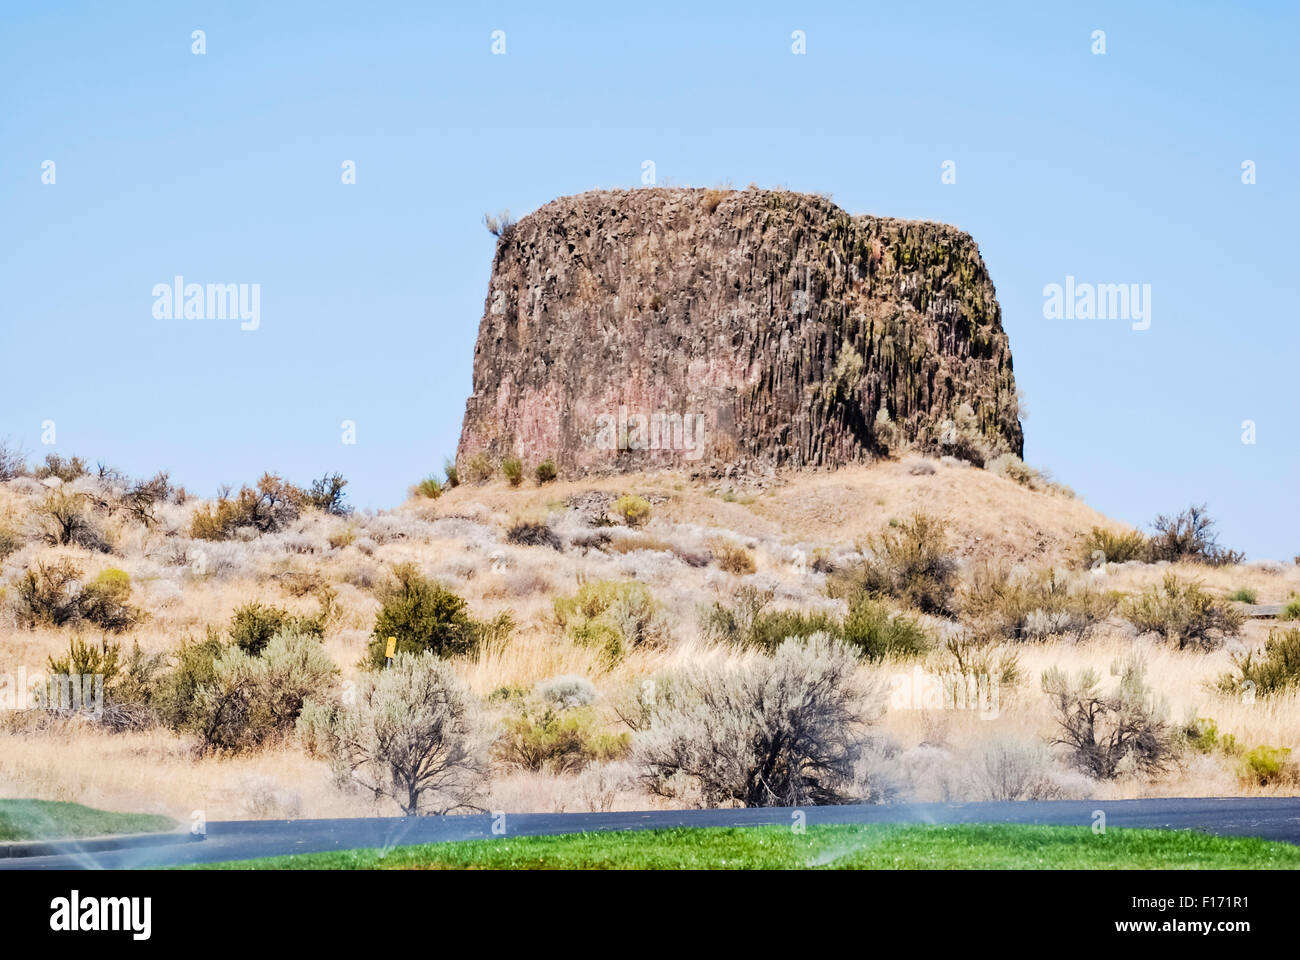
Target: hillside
(703, 547)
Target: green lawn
(48, 820)
(977, 846)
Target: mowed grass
(50, 820)
(883, 847)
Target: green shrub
(430, 487)
(1183, 612)
(103, 601)
(425, 617)
(632, 510)
(480, 468)
(252, 699)
(1244, 595)
(194, 668)
(453, 475)
(1273, 670)
(253, 625)
(546, 471)
(1106, 546)
(772, 628)
(557, 741)
(87, 660)
(871, 630)
(1203, 735)
(910, 564)
(1291, 611)
(1266, 765)
(513, 469)
(613, 616)
(1033, 606)
(876, 632)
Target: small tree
(413, 735)
(1111, 733)
(1189, 536)
(327, 494)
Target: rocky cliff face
(725, 331)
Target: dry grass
(459, 539)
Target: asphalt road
(1272, 818)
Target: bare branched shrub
(499, 225)
(65, 469)
(13, 462)
(66, 522)
(533, 535)
(1189, 536)
(1184, 612)
(326, 494)
(267, 509)
(780, 731)
(1111, 734)
(413, 734)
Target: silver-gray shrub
(784, 730)
(253, 699)
(412, 733)
(567, 691)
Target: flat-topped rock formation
(724, 331)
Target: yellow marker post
(392, 650)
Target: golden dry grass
(458, 538)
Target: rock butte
(800, 335)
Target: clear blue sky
(225, 167)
